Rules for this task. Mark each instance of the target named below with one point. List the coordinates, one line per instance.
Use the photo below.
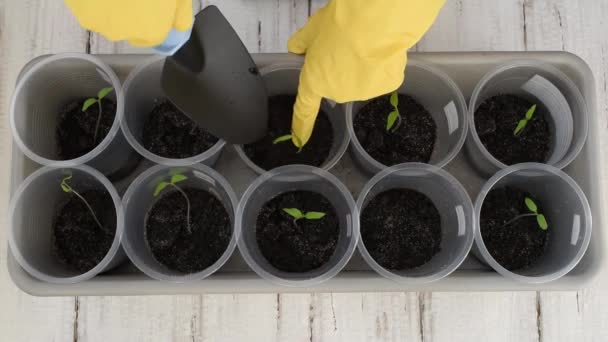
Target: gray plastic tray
(466, 68)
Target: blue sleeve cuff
(174, 41)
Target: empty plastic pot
(143, 92)
(440, 96)
(293, 178)
(139, 199)
(453, 204)
(565, 208)
(32, 214)
(545, 86)
(283, 79)
(45, 89)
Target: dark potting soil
(298, 246)
(267, 155)
(519, 244)
(169, 133)
(401, 229)
(495, 121)
(75, 132)
(411, 141)
(170, 241)
(78, 241)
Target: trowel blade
(214, 81)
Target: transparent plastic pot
(438, 94)
(454, 206)
(142, 93)
(293, 178)
(32, 212)
(566, 209)
(547, 87)
(45, 89)
(139, 199)
(283, 79)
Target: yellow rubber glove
(144, 23)
(355, 50)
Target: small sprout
(176, 178)
(540, 218)
(394, 115)
(89, 102)
(289, 137)
(297, 214)
(68, 189)
(523, 122)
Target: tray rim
(345, 281)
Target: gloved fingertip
(305, 112)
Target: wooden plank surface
(32, 27)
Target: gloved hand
(355, 50)
(145, 23)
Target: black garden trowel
(213, 80)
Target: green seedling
(176, 178)
(89, 102)
(69, 190)
(297, 214)
(289, 137)
(393, 116)
(541, 220)
(523, 122)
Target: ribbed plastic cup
(453, 204)
(41, 94)
(438, 94)
(545, 86)
(143, 92)
(297, 178)
(283, 79)
(32, 212)
(566, 209)
(139, 199)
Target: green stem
(98, 122)
(188, 206)
(90, 209)
(517, 218)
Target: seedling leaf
(520, 127)
(531, 205)
(542, 222)
(160, 187)
(178, 178)
(88, 103)
(281, 139)
(392, 118)
(530, 112)
(394, 99)
(294, 212)
(104, 92)
(314, 215)
(64, 185)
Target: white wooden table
(32, 27)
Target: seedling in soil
(393, 116)
(523, 122)
(289, 137)
(297, 214)
(540, 218)
(172, 183)
(69, 190)
(89, 102)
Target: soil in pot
(267, 155)
(297, 245)
(75, 132)
(495, 121)
(169, 133)
(401, 229)
(78, 241)
(515, 243)
(169, 239)
(411, 140)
